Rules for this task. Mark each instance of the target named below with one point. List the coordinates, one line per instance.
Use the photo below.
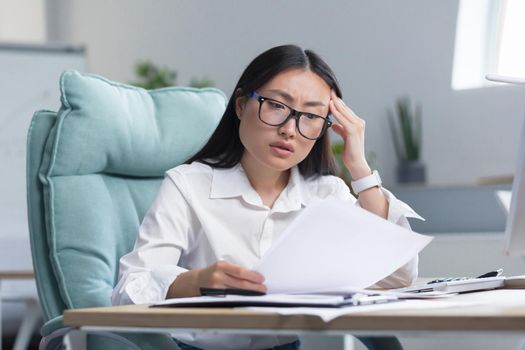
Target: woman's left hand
(352, 130)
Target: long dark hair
(224, 148)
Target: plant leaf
(395, 134)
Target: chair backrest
(93, 169)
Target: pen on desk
(368, 299)
(228, 291)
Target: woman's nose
(289, 128)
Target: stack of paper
(333, 244)
(331, 252)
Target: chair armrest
(52, 325)
(146, 341)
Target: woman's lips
(281, 151)
(283, 145)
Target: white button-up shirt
(203, 214)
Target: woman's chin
(280, 164)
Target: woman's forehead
(298, 84)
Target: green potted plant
(342, 171)
(201, 83)
(151, 76)
(405, 126)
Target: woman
(215, 216)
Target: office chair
(93, 169)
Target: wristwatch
(372, 180)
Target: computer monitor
(515, 227)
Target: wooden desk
(496, 311)
(16, 275)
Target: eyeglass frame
(295, 114)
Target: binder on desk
(279, 300)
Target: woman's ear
(240, 103)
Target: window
(489, 39)
(511, 53)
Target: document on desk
(329, 314)
(334, 244)
(279, 300)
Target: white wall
(379, 49)
(22, 21)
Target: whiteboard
(29, 81)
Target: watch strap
(372, 180)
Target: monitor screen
(515, 227)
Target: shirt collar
(233, 182)
(229, 182)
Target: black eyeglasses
(275, 113)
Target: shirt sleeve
(398, 213)
(147, 272)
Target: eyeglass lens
(275, 113)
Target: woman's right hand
(222, 274)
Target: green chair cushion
(101, 167)
(49, 295)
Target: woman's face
(280, 148)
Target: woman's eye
(275, 105)
(311, 116)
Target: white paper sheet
(333, 244)
(329, 314)
(346, 291)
